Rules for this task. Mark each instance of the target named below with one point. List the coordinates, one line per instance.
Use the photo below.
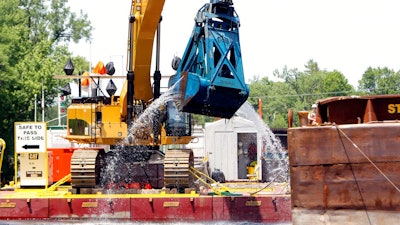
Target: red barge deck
(267, 206)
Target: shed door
(224, 156)
(246, 151)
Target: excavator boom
(145, 17)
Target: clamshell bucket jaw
(199, 96)
(210, 78)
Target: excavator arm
(144, 19)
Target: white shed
(232, 144)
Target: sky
(344, 35)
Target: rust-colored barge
(345, 170)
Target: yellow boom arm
(146, 15)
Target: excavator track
(177, 164)
(85, 167)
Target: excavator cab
(177, 123)
(210, 78)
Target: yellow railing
(58, 183)
(217, 187)
(2, 150)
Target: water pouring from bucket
(275, 158)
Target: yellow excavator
(124, 134)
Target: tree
(390, 83)
(276, 99)
(379, 81)
(303, 82)
(32, 49)
(296, 90)
(335, 84)
(277, 104)
(54, 22)
(11, 28)
(369, 81)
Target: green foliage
(54, 21)
(275, 97)
(68, 26)
(380, 81)
(32, 50)
(201, 120)
(296, 90)
(81, 65)
(335, 84)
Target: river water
(99, 222)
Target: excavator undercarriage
(125, 170)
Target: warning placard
(30, 137)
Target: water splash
(273, 154)
(128, 162)
(153, 115)
(275, 157)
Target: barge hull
(147, 207)
(337, 173)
